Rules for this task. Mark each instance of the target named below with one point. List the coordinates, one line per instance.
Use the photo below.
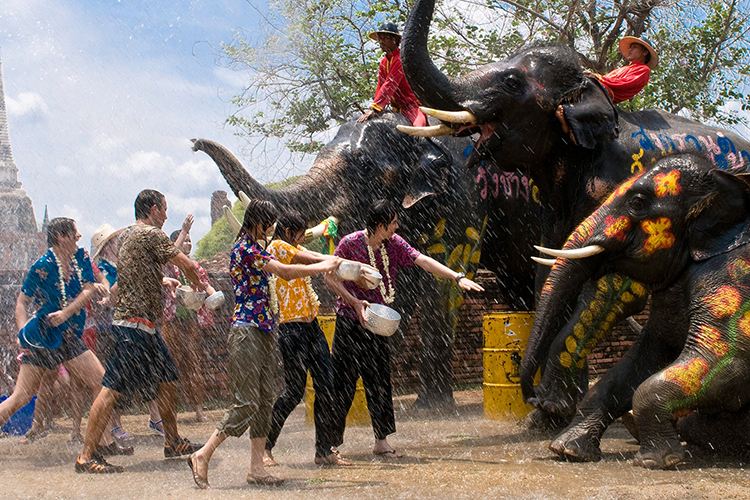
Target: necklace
(391, 295)
(61, 280)
(273, 298)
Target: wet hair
(175, 234)
(381, 213)
(145, 200)
(59, 226)
(259, 213)
(289, 224)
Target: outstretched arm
(292, 271)
(437, 269)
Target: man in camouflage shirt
(140, 363)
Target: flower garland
(310, 291)
(273, 298)
(391, 295)
(61, 280)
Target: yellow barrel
(505, 337)
(358, 413)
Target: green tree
(315, 65)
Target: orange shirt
(295, 299)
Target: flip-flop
(201, 483)
(388, 454)
(267, 480)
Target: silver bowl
(382, 320)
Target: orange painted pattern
(667, 184)
(688, 375)
(738, 269)
(724, 302)
(744, 324)
(659, 233)
(710, 339)
(622, 188)
(616, 228)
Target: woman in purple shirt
(356, 351)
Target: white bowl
(382, 320)
(190, 298)
(215, 300)
(349, 270)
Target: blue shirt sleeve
(84, 263)
(33, 281)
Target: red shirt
(623, 83)
(393, 89)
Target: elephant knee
(654, 398)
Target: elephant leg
(697, 379)
(725, 433)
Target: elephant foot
(543, 422)
(725, 433)
(577, 444)
(663, 457)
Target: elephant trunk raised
(430, 84)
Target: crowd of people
(108, 325)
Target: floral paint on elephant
(667, 184)
(614, 298)
(722, 150)
(463, 257)
(688, 375)
(617, 228)
(659, 234)
(724, 302)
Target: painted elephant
(511, 106)
(681, 226)
(445, 216)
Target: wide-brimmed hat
(101, 236)
(385, 29)
(625, 45)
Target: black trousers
(303, 347)
(359, 353)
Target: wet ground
(459, 456)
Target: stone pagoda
(20, 241)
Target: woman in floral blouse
(253, 362)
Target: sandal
(267, 480)
(97, 465)
(200, 482)
(181, 447)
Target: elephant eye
(637, 205)
(512, 82)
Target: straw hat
(625, 45)
(101, 236)
(385, 29)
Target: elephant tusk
(577, 253)
(233, 222)
(634, 325)
(317, 231)
(431, 131)
(450, 116)
(244, 199)
(544, 262)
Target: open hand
(469, 285)
(188, 223)
(57, 318)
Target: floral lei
(61, 280)
(391, 295)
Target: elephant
(444, 216)
(682, 225)
(511, 107)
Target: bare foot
(268, 459)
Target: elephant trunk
(433, 88)
(558, 296)
(310, 195)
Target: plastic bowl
(191, 298)
(215, 300)
(382, 320)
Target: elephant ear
(720, 220)
(592, 117)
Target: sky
(103, 97)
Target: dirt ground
(462, 455)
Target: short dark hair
(145, 200)
(59, 226)
(261, 213)
(175, 234)
(381, 213)
(290, 223)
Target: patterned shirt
(354, 247)
(144, 251)
(251, 294)
(295, 303)
(42, 284)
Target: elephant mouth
(457, 124)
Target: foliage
(316, 65)
(219, 239)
